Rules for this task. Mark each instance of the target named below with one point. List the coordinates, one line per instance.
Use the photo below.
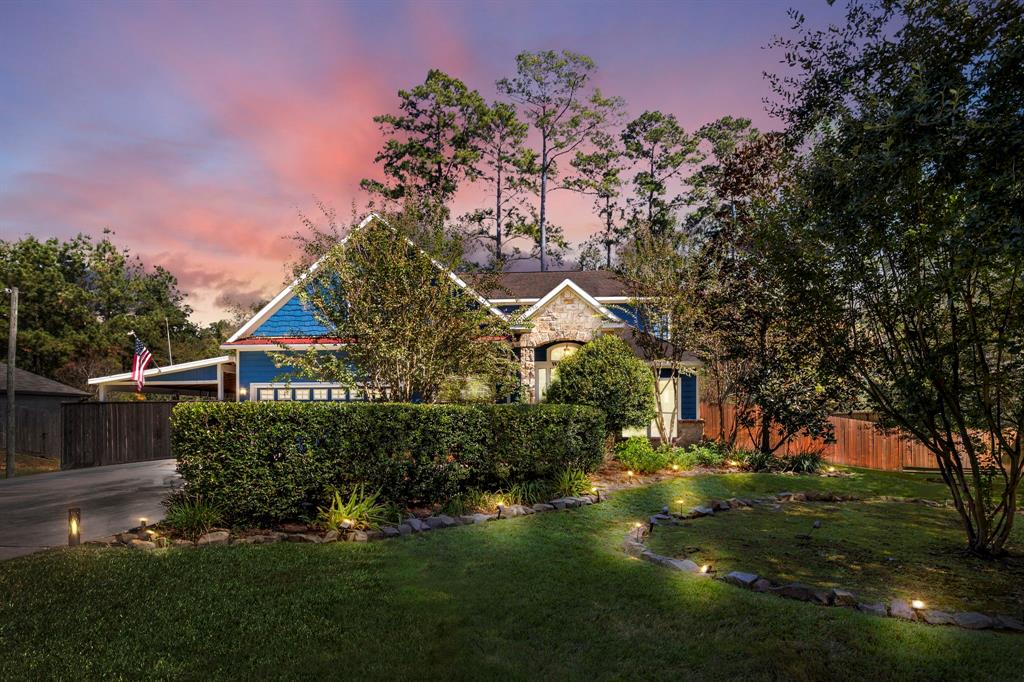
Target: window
(265, 394)
(284, 394)
(302, 394)
(319, 394)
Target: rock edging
(634, 545)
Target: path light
(596, 492)
(74, 526)
(705, 568)
(675, 467)
(346, 524)
(680, 503)
(629, 473)
(501, 507)
(637, 526)
(142, 523)
(831, 470)
(917, 604)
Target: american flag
(139, 363)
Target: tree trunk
(543, 201)
(497, 222)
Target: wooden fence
(96, 434)
(38, 430)
(858, 442)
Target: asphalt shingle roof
(597, 283)
(26, 382)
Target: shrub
(360, 511)
(759, 461)
(530, 492)
(572, 482)
(707, 454)
(640, 456)
(606, 374)
(803, 463)
(192, 516)
(269, 462)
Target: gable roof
(571, 285)
(287, 297)
(26, 383)
(531, 285)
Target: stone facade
(567, 317)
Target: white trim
(512, 301)
(593, 302)
(157, 371)
(160, 384)
(220, 383)
(285, 346)
(254, 389)
(286, 295)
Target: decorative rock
(294, 527)
(632, 546)
(475, 518)
(308, 538)
(875, 609)
(404, 529)
(141, 544)
(684, 565)
(439, 521)
(817, 524)
(217, 537)
(357, 536)
(761, 585)
(799, 497)
(698, 512)
(543, 507)
(182, 542)
(901, 609)
(783, 496)
(1008, 623)
(741, 579)
(330, 536)
(390, 532)
(844, 598)
(972, 620)
(260, 539)
(374, 535)
(802, 592)
(416, 525)
(933, 617)
(719, 505)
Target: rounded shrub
(637, 454)
(605, 373)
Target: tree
(606, 374)
(554, 91)
(721, 138)
(433, 144)
(664, 277)
(408, 327)
(662, 151)
(599, 174)
(907, 208)
(508, 168)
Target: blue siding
(200, 374)
(688, 399)
(291, 319)
(257, 367)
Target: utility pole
(12, 341)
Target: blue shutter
(688, 399)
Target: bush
(606, 374)
(192, 516)
(803, 463)
(707, 454)
(572, 482)
(269, 462)
(530, 492)
(637, 454)
(359, 511)
(759, 461)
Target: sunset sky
(197, 131)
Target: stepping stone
(898, 608)
(741, 579)
(972, 620)
(876, 609)
(933, 617)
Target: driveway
(34, 509)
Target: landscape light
(680, 503)
(596, 492)
(74, 526)
(831, 469)
(638, 526)
(142, 523)
(630, 473)
(705, 568)
(500, 508)
(675, 467)
(917, 604)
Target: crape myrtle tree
(908, 207)
(762, 335)
(556, 96)
(408, 329)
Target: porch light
(917, 604)
(74, 526)
(243, 391)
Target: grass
(25, 465)
(541, 597)
(880, 550)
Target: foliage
(433, 144)
(416, 327)
(553, 90)
(705, 454)
(637, 454)
(360, 511)
(606, 374)
(598, 174)
(79, 299)
(907, 212)
(192, 516)
(571, 483)
(262, 461)
(530, 492)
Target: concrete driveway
(34, 509)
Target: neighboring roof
(26, 382)
(597, 283)
(162, 371)
(253, 327)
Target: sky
(198, 131)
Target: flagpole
(151, 359)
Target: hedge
(269, 462)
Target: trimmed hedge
(267, 462)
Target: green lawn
(25, 465)
(549, 596)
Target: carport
(211, 378)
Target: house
(37, 411)
(559, 312)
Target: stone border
(146, 538)
(633, 545)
